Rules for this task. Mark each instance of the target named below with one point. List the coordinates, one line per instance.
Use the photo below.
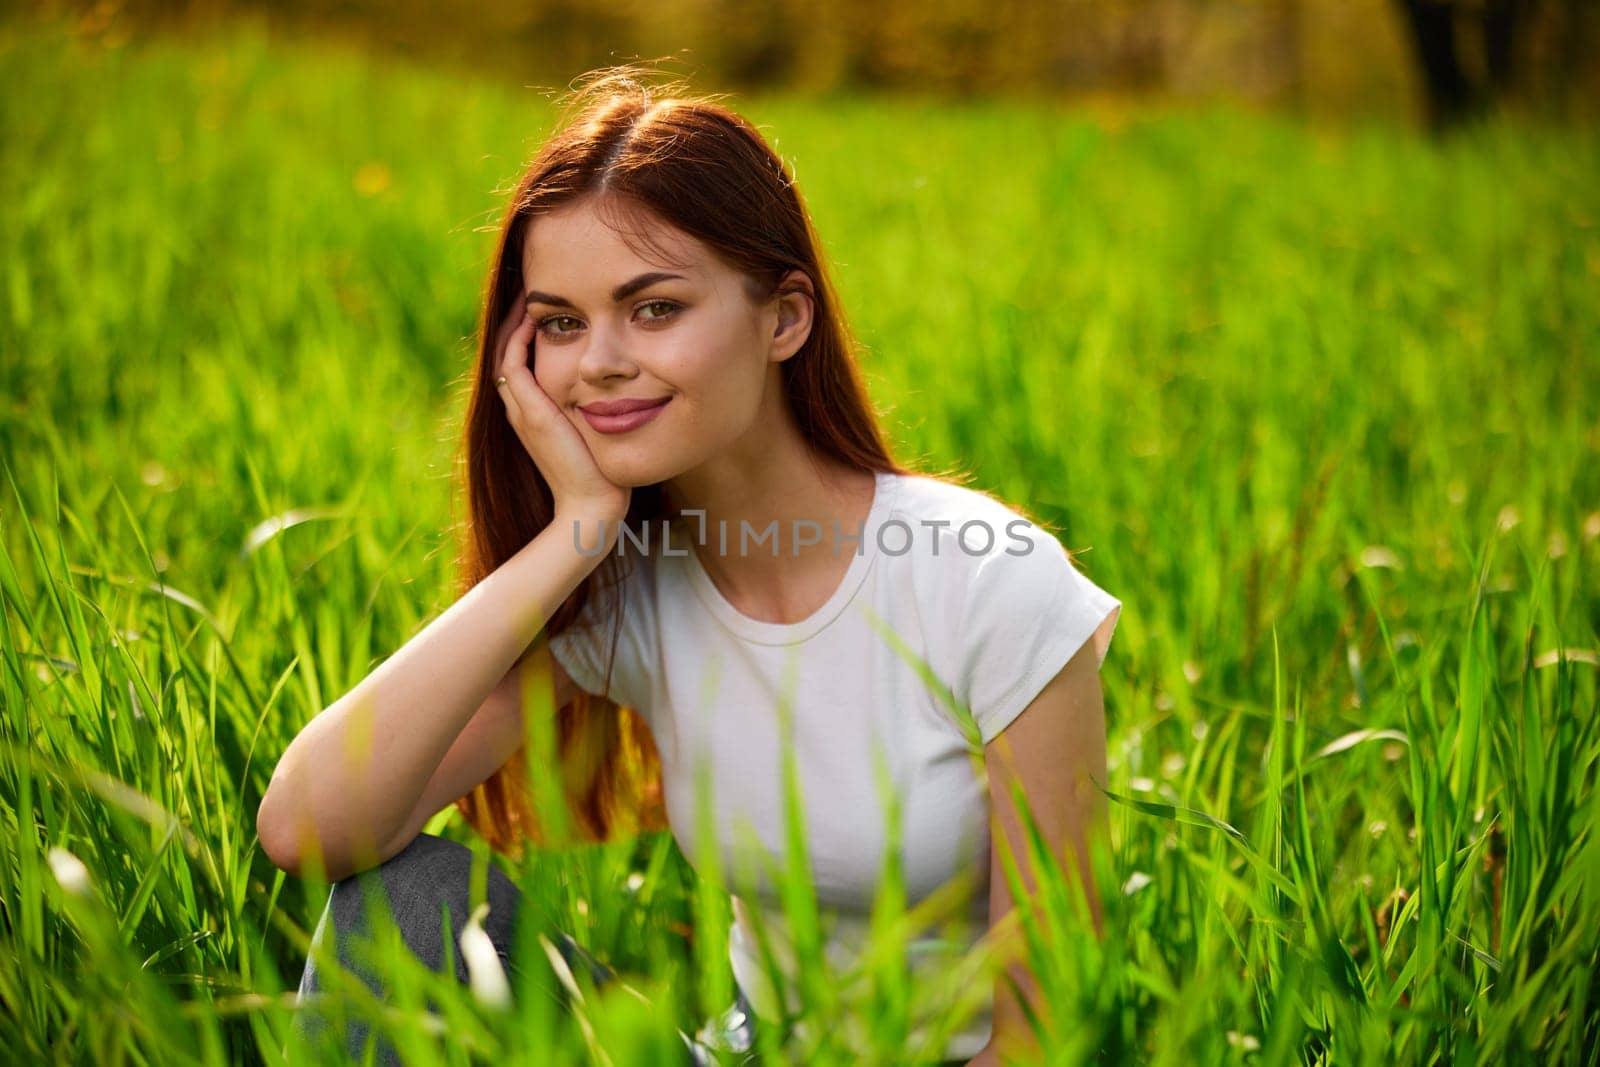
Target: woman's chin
(630, 474)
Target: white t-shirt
(992, 625)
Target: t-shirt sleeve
(1026, 616)
(583, 649)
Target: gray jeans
(433, 873)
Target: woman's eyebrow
(618, 295)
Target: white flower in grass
(487, 978)
(69, 871)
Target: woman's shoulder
(946, 516)
(622, 580)
(975, 560)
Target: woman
(682, 511)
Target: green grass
(1322, 404)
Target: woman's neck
(784, 501)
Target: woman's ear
(796, 302)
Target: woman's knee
(418, 885)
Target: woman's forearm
(350, 779)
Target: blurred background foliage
(1441, 61)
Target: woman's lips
(623, 423)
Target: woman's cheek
(690, 356)
(544, 375)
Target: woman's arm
(356, 779)
(1056, 751)
(494, 733)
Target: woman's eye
(546, 325)
(668, 304)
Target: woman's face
(691, 336)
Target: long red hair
(655, 154)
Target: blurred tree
(1443, 32)
(1448, 94)
(1332, 56)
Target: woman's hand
(556, 445)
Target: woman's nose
(604, 357)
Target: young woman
(683, 514)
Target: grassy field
(1321, 407)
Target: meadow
(1320, 405)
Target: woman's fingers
(525, 402)
(502, 338)
(555, 444)
(533, 415)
